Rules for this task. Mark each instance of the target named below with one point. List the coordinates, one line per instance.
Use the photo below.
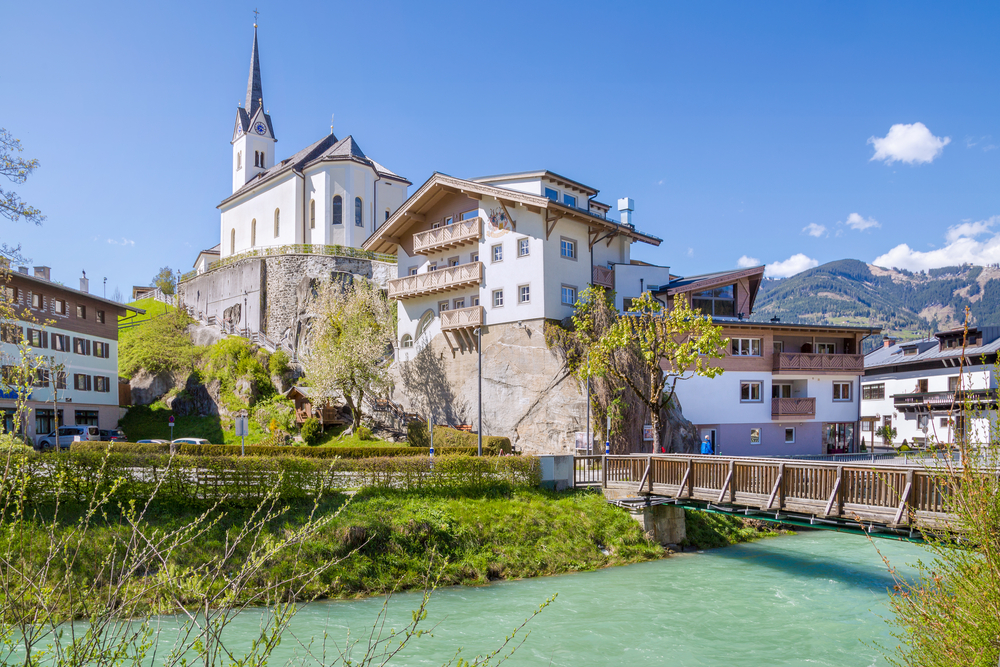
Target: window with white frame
(498, 298)
(413, 271)
(458, 304)
(469, 215)
(552, 194)
(789, 435)
(442, 306)
(569, 200)
(781, 390)
(36, 301)
(746, 347)
(568, 295)
(750, 392)
(523, 247)
(717, 302)
(524, 294)
(826, 348)
(474, 257)
(475, 301)
(497, 252)
(449, 219)
(567, 248)
(842, 391)
(873, 392)
(407, 341)
(755, 436)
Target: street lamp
(479, 349)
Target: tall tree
(17, 170)
(648, 350)
(164, 280)
(351, 340)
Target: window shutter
(88, 382)
(45, 339)
(88, 346)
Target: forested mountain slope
(903, 303)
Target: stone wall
(272, 295)
(528, 394)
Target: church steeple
(255, 92)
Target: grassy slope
(152, 307)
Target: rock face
(189, 396)
(528, 394)
(147, 388)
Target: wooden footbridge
(876, 497)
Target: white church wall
(260, 205)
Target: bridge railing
(892, 494)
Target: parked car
(191, 441)
(113, 435)
(152, 442)
(67, 434)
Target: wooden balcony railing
(432, 282)
(462, 318)
(448, 236)
(604, 277)
(793, 407)
(943, 401)
(797, 362)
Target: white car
(191, 441)
(67, 434)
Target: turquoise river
(816, 598)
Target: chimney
(22, 269)
(42, 272)
(626, 206)
(888, 341)
(84, 283)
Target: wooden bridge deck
(894, 496)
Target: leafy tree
(352, 334)
(164, 280)
(161, 344)
(649, 349)
(17, 170)
(887, 433)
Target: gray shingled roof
(255, 91)
(329, 148)
(927, 350)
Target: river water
(816, 598)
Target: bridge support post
(663, 524)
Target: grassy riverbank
(382, 540)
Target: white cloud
(745, 262)
(812, 229)
(690, 252)
(856, 221)
(797, 263)
(908, 143)
(962, 248)
(124, 241)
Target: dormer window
(552, 194)
(569, 200)
(717, 302)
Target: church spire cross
(255, 92)
(255, 13)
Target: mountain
(903, 303)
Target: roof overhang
(413, 211)
(754, 275)
(555, 178)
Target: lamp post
(246, 321)
(479, 349)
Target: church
(287, 224)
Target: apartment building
(76, 333)
(932, 390)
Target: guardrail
(893, 495)
(818, 363)
(297, 249)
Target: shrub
(311, 431)
(271, 451)
(277, 409)
(445, 436)
(278, 363)
(416, 434)
(157, 345)
(12, 444)
(364, 433)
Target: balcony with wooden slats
(435, 282)
(462, 318)
(604, 277)
(447, 237)
(806, 362)
(793, 408)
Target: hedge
(445, 436)
(268, 450)
(78, 475)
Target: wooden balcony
(434, 282)
(448, 236)
(946, 401)
(604, 277)
(462, 318)
(793, 407)
(805, 362)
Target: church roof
(327, 149)
(255, 91)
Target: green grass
(152, 422)
(708, 530)
(152, 307)
(334, 437)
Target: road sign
(242, 426)
(171, 420)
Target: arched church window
(359, 211)
(425, 321)
(406, 341)
(239, 160)
(253, 232)
(312, 214)
(338, 210)
(232, 242)
(277, 218)
(256, 158)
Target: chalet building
(933, 390)
(77, 334)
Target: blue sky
(744, 131)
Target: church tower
(253, 135)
